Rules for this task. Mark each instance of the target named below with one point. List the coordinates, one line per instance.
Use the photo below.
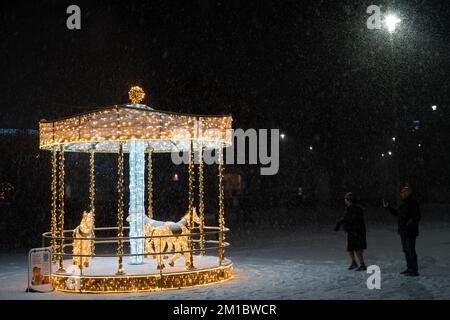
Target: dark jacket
(353, 223)
(408, 214)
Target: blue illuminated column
(136, 210)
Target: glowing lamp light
(382, 155)
(434, 107)
(282, 136)
(390, 153)
(393, 139)
(311, 148)
(175, 177)
(391, 22)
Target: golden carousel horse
(160, 240)
(84, 247)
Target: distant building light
(419, 145)
(282, 136)
(15, 132)
(32, 132)
(310, 148)
(390, 153)
(382, 155)
(175, 177)
(6, 131)
(434, 107)
(393, 139)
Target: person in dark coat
(408, 214)
(353, 223)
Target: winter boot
(353, 266)
(361, 268)
(405, 272)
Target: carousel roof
(162, 131)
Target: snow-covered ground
(295, 265)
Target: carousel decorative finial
(136, 94)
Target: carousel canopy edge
(101, 130)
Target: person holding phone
(408, 215)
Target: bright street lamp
(391, 21)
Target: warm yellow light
(142, 283)
(104, 128)
(136, 94)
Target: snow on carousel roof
(162, 131)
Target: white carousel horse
(84, 247)
(159, 240)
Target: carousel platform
(100, 276)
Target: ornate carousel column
(92, 181)
(201, 204)
(120, 210)
(221, 209)
(54, 190)
(190, 263)
(61, 208)
(92, 192)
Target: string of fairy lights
(221, 209)
(201, 204)
(120, 210)
(150, 183)
(54, 191)
(92, 190)
(191, 204)
(92, 182)
(61, 208)
(123, 123)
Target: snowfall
(294, 264)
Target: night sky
(310, 68)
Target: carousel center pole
(136, 210)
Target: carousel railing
(209, 245)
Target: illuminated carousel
(147, 254)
